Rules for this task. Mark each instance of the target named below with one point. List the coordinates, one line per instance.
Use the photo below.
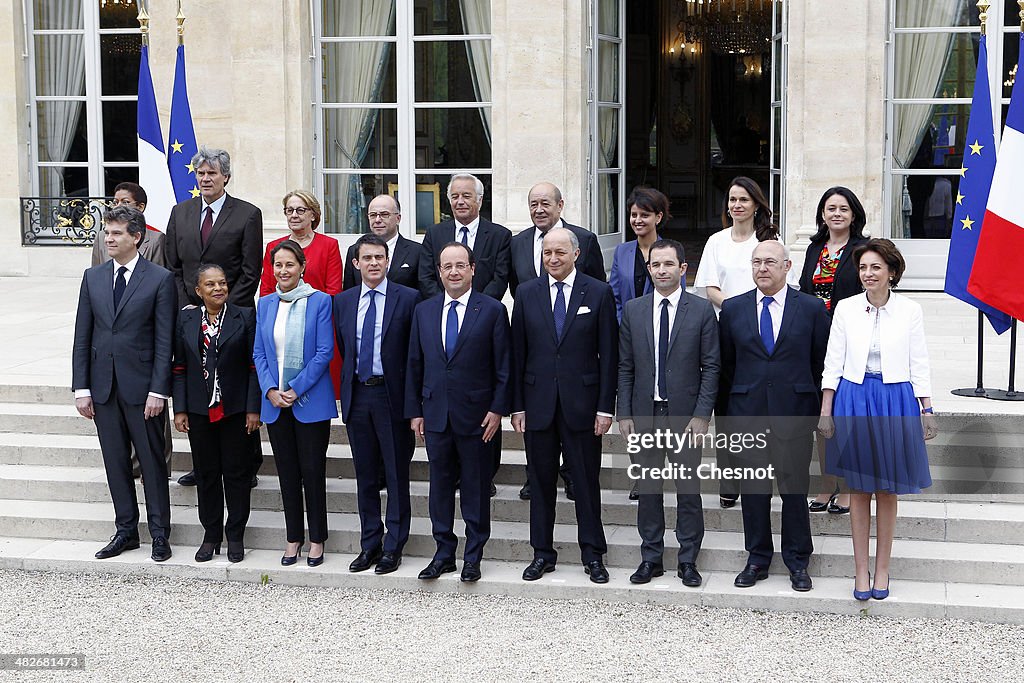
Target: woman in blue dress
(877, 386)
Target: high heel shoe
(879, 593)
(315, 561)
(835, 508)
(236, 551)
(207, 551)
(862, 596)
(289, 560)
(815, 506)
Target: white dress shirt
(538, 246)
(775, 309)
(217, 205)
(460, 312)
(473, 226)
(569, 280)
(673, 308)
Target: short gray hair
(216, 158)
(467, 176)
(573, 239)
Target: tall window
(932, 62)
(779, 69)
(607, 134)
(84, 70)
(404, 101)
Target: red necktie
(207, 228)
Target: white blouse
(280, 332)
(725, 264)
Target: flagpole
(181, 25)
(144, 23)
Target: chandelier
(728, 26)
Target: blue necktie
(767, 335)
(465, 235)
(451, 330)
(119, 285)
(366, 339)
(663, 351)
(559, 309)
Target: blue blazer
(458, 393)
(399, 305)
(621, 277)
(313, 384)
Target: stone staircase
(959, 551)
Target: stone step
(920, 520)
(831, 595)
(721, 551)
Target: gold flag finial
(181, 25)
(983, 6)
(143, 22)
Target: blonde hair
(309, 200)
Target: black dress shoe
(436, 568)
(236, 551)
(537, 569)
(646, 571)
(315, 561)
(118, 544)
(689, 574)
(207, 551)
(470, 572)
(289, 560)
(598, 574)
(187, 479)
(524, 493)
(388, 563)
(254, 482)
(750, 575)
(365, 560)
(161, 550)
(570, 489)
(494, 490)
(726, 502)
(800, 580)
(633, 493)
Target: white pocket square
(405, 265)
(583, 310)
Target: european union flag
(181, 137)
(972, 197)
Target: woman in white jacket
(876, 383)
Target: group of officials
(428, 351)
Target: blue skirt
(879, 442)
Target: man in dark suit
(668, 379)
(457, 389)
(773, 354)
(546, 206)
(565, 341)
(372, 323)
(216, 228)
(122, 376)
(385, 214)
(489, 241)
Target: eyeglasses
(767, 263)
(449, 267)
(383, 215)
(297, 210)
(122, 202)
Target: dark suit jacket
(590, 260)
(847, 281)
(399, 304)
(621, 277)
(458, 393)
(403, 265)
(133, 341)
(578, 371)
(781, 385)
(492, 254)
(693, 358)
(236, 245)
(239, 386)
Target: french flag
(153, 175)
(997, 277)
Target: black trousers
(300, 451)
(221, 456)
(381, 447)
(582, 453)
(449, 455)
(122, 426)
(165, 417)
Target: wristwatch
(928, 411)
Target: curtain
(356, 73)
(607, 134)
(476, 20)
(60, 72)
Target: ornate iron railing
(61, 221)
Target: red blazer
(323, 265)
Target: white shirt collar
(778, 297)
(216, 205)
(472, 225)
(672, 298)
(130, 265)
(381, 288)
(464, 299)
(569, 279)
(538, 235)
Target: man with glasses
(384, 214)
(773, 355)
(152, 247)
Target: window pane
(359, 72)
(120, 122)
(915, 77)
(608, 133)
(1011, 50)
(119, 61)
(118, 14)
(360, 138)
(1011, 13)
(923, 206)
(607, 203)
(346, 197)
(56, 181)
(608, 71)
(57, 14)
(777, 141)
(452, 17)
(113, 175)
(920, 13)
(453, 71)
(929, 135)
(441, 181)
(608, 17)
(60, 66)
(453, 138)
(368, 18)
(62, 130)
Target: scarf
(210, 335)
(295, 331)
